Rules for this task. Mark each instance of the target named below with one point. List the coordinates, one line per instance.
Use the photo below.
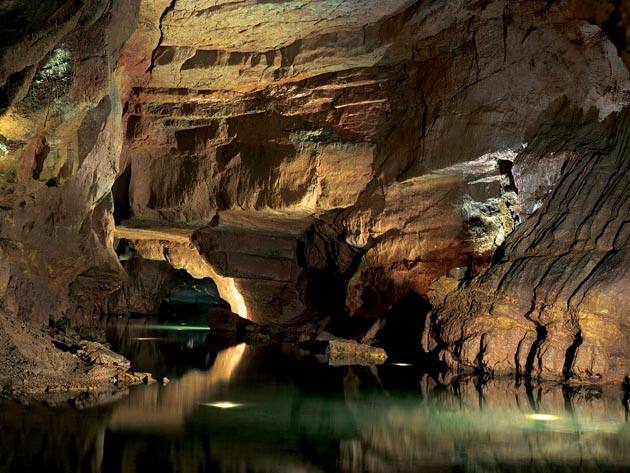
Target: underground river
(271, 408)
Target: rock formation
(554, 302)
(326, 158)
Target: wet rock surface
(96, 354)
(347, 352)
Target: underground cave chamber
(323, 235)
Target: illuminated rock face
(419, 136)
(553, 303)
(251, 257)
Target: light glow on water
(401, 364)
(176, 328)
(543, 417)
(223, 404)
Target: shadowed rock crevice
(120, 195)
(567, 369)
(403, 326)
(330, 263)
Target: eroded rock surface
(55, 369)
(554, 302)
(413, 138)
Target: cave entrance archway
(250, 255)
(189, 294)
(176, 246)
(156, 287)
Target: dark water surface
(272, 409)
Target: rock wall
(417, 136)
(354, 111)
(554, 303)
(61, 135)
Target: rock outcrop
(384, 145)
(55, 367)
(347, 352)
(554, 303)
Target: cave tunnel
(173, 292)
(163, 315)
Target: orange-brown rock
(392, 143)
(554, 302)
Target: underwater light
(144, 339)
(543, 417)
(222, 405)
(401, 364)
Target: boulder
(348, 352)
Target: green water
(275, 409)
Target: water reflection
(168, 406)
(272, 409)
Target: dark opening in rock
(614, 27)
(505, 167)
(570, 355)
(155, 287)
(404, 324)
(190, 292)
(120, 194)
(11, 87)
(41, 152)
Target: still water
(273, 409)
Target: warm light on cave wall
(229, 292)
(226, 286)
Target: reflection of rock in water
(189, 433)
(497, 427)
(36, 438)
(363, 427)
(293, 415)
(156, 349)
(167, 406)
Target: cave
(157, 287)
(356, 218)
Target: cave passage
(278, 236)
(191, 293)
(156, 288)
